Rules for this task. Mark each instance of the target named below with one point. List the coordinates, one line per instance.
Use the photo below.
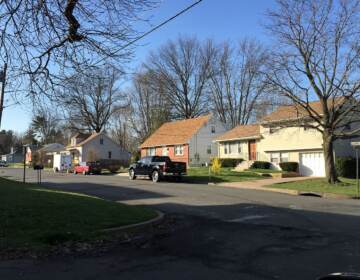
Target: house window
(101, 141)
(225, 148)
(179, 150)
(165, 151)
(284, 157)
(150, 152)
(213, 129)
(239, 148)
(275, 158)
(229, 148)
(109, 154)
(208, 150)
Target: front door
(252, 149)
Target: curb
(139, 226)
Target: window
(165, 151)
(229, 148)
(101, 141)
(150, 152)
(213, 129)
(109, 154)
(275, 157)
(284, 157)
(179, 150)
(239, 148)
(225, 148)
(208, 150)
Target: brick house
(189, 141)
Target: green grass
(201, 175)
(259, 170)
(345, 187)
(35, 217)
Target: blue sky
(218, 19)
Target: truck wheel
(132, 174)
(155, 176)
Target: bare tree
(90, 100)
(183, 68)
(43, 42)
(318, 57)
(150, 104)
(238, 81)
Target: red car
(86, 168)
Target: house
(47, 152)
(15, 156)
(95, 147)
(30, 152)
(279, 137)
(189, 141)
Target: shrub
(216, 166)
(230, 162)
(346, 167)
(289, 166)
(261, 165)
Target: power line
(154, 28)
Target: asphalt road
(221, 233)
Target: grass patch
(201, 175)
(345, 187)
(35, 217)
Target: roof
(250, 131)
(53, 147)
(296, 111)
(177, 132)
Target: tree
(150, 104)
(238, 81)
(318, 57)
(183, 69)
(45, 125)
(44, 42)
(90, 99)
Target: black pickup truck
(157, 167)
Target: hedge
(290, 166)
(261, 165)
(230, 162)
(346, 167)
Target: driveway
(220, 233)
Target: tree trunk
(330, 170)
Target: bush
(113, 165)
(289, 166)
(230, 162)
(215, 166)
(261, 165)
(346, 167)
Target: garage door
(312, 164)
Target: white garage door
(312, 164)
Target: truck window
(160, 159)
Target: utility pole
(3, 81)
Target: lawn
(201, 175)
(35, 217)
(345, 187)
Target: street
(221, 233)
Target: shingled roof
(177, 132)
(250, 131)
(291, 112)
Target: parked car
(3, 163)
(157, 168)
(86, 168)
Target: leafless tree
(238, 81)
(183, 68)
(90, 100)
(44, 42)
(318, 57)
(150, 104)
